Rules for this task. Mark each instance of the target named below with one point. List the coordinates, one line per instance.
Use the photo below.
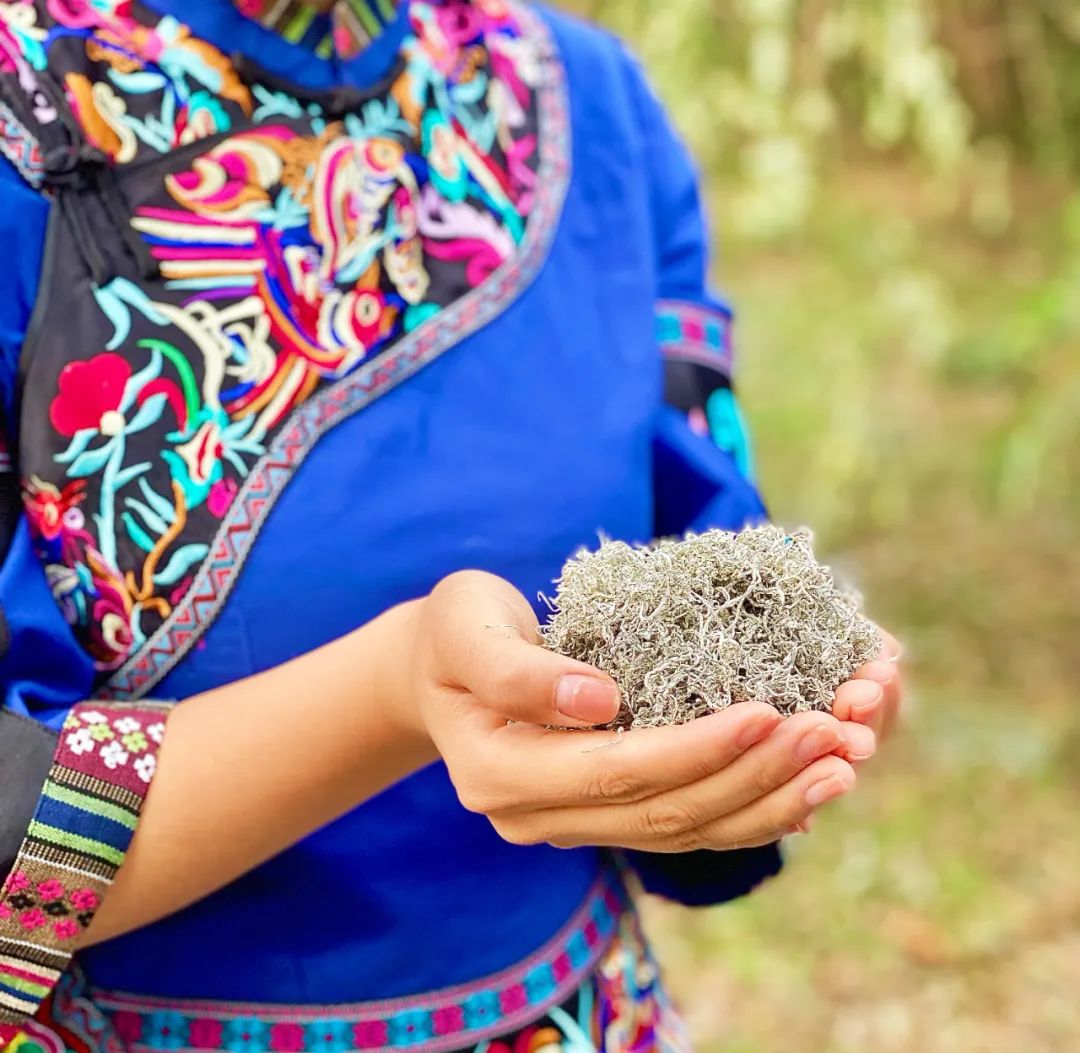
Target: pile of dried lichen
(689, 627)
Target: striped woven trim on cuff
(695, 341)
(694, 332)
(85, 818)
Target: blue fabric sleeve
(702, 461)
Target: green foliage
(894, 185)
(776, 93)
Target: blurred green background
(894, 188)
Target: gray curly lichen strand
(690, 627)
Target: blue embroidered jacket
(461, 278)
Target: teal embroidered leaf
(136, 532)
(149, 413)
(151, 518)
(158, 503)
(114, 308)
(91, 462)
(122, 478)
(182, 560)
(151, 371)
(79, 443)
(138, 83)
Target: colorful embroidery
(451, 1019)
(593, 988)
(85, 818)
(346, 31)
(309, 262)
(697, 349)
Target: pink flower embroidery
(221, 496)
(448, 1021)
(51, 889)
(513, 998)
(128, 1025)
(5, 912)
(84, 899)
(204, 1033)
(17, 882)
(89, 395)
(561, 967)
(370, 1034)
(287, 1038)
(32, 919)
(66, 929)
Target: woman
(306, 311)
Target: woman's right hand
(487, 695)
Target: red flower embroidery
(46, 506)
(89, 395)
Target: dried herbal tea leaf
(690, 627)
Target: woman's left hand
(873, 695)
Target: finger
(767, 819)
(793, 803)
(488, 645)
(763, 769)
(604, 768)
(892, 650)
(804, 826)
(753, 774)
(888, 677)
(859, 699)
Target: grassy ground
(915, 393)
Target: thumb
(518, 680)
(491, 646)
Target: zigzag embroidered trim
(434, 1022)
(85, 819)
(20, 147)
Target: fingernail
(757, 730)
(825, 790)
(802, 828)
(861, 743)
(586, 698)
(865, 710)
(816, 743)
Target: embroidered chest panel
(284, 260)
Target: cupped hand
(488, 696)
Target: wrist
(394, 683)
